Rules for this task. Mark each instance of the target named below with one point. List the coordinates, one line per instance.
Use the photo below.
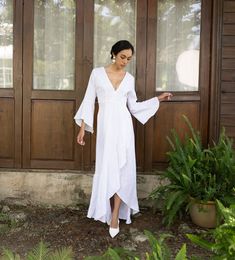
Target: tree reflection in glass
(114, 20)
(178, 45)
(54, 44)
(6, 44)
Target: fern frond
(62, 254)
(182, 253)
(9, 255)
(40, 252)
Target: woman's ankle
(114, 222)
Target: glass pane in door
(54, 44)
(114, 20)
(6, 44)
(178, 45)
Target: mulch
(69, 227)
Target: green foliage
(117, 253)
(4, 217)
(223, 167)
(159, 251)
(182, 253)
(222, 240)
(64, 253)
(9, 255)
(201, 173)
(7, 222)
(41, 252)
(159, 248)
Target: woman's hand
(81, 134)
(80, 137)
(165, 96)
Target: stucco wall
(59, 187)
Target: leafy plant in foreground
(40, 252)
(159, 251)
(205, 174)
(222, 239)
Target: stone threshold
(60, 187)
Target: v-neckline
(110, 82)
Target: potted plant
(221, 241)
(196, 174)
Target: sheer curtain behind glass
(6, 44)
(114, 20)
(54, 44)
(178, 45)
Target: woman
(114, 183)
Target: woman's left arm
(143, 110)
(165, 96)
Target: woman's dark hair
(121, 45)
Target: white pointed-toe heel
(113, 231)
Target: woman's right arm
(85, 114)
(81, 134)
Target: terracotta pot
(203, 214)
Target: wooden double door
(36, 111)
(37, 129)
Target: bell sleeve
(86, 109)
(142, 111)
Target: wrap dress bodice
(115, 168)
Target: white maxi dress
(115, 166)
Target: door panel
(7, 128)
(171, 115)
(52, 130)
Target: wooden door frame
(141, 53)
(18, 79)
(27, 79)
(216, 66)
(205, 68)
(79, 84)
(150, 79)
(15, 92)
(87, 66)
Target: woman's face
(123, 58)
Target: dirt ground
(62, 227)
